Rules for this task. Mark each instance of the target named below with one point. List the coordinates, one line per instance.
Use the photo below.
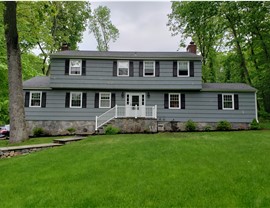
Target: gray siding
(200, 107)
(99, 75)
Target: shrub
(190, 125)
(110, 130)
(71, 130)
(38, 131)
(207, 128)
(254, 125)
(224, 126)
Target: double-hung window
(174, 101)
(149, 68)
(123, 68)
(35, 99)
(104, 100)
(75, 67)
(183, 69)
(75, 100)
(227, 101)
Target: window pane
(76, 99)
(75, 66)
(35, 99)
(123, 67)
(182, 68)
(105, 100)
(174, 101)
(149, 68)
(227, 101)
(123, 71)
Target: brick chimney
(64, 47)
(192, 48)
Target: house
(136, 91)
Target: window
(228, 102)
(174, 101)
(104, 100)
(35, 99)
(75, 100)
(75, 67)
(149, 69)
(183, 68)
(123, 68)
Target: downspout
(256, 109)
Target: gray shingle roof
(227, 87)
(39, 82)
(125, 55)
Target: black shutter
(26, 99)
(191, 68)
(219, 101)
(140, 69)
(166, 101)
(183, 101)
(115, 68)
(67, 67)
(43, 101)
(131, 69)
(67, 99)
(157, 69)
(113, 100)
(96, 100)
(84, 100)
(84, 67)
(175, 68)
(236, 102)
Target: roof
(125, 55)
(39, 82)
(227, 87)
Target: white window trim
(118, 69)
(154, 69)
(179, 99)
(223, 108)
(70, 67)
(30, 105)
(70, 100)
(100, 99)
(178, 69)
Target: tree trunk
(18, 130)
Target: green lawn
(215, 169)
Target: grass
(213, 169)
(40, 140)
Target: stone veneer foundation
(126, 125)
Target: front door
(135, 105)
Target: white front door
(135, 105)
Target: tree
(102, 28)
(18, 130)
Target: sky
(142, 27)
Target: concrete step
(68, 140)
(3, 149)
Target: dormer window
(122, 68)
(183, 69)
(75, 67)
(148, 68)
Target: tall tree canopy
(233, 39)
(102, 28)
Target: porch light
(148, 94)
(122, 94)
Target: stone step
(13, 148)
(68, 140)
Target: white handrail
(124, 112)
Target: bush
(190, 125)
(224, 126)
(254, 125)
(207, 128)
(38, 131)
(109, 130)
(71, 130)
